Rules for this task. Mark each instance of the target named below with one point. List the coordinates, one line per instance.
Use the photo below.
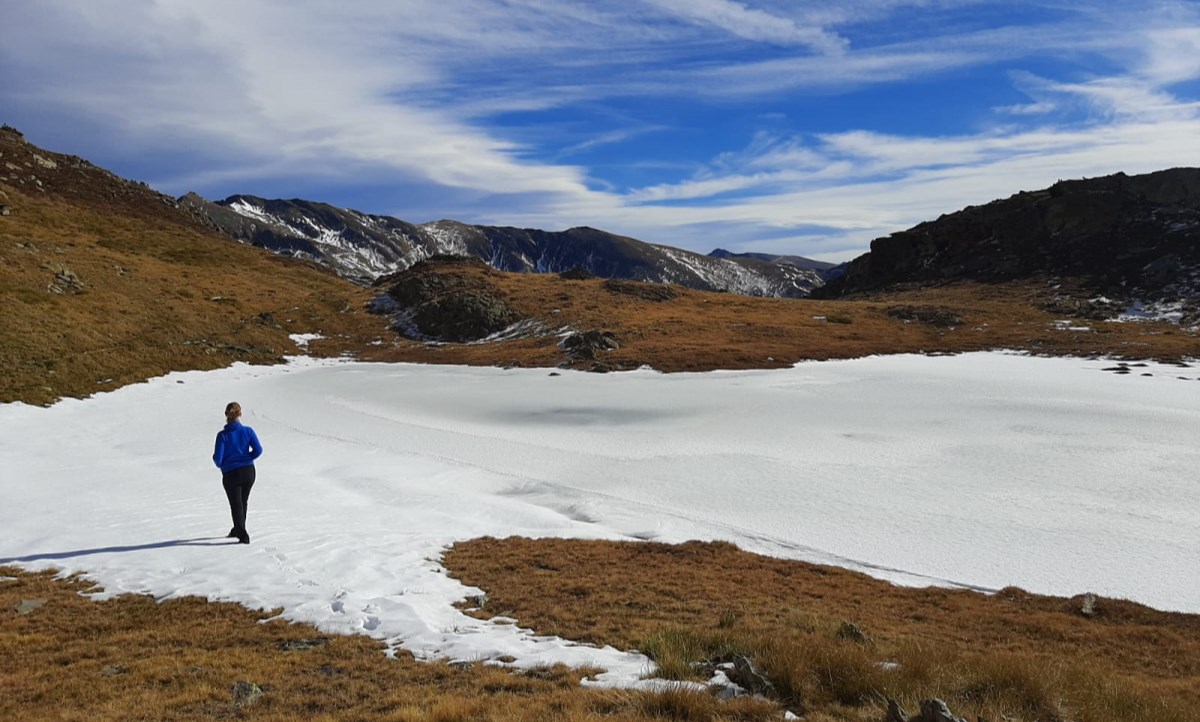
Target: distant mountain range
(1118, 240)
(362, 247)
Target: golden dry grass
(701, 331)
(159, 291)
(1026, 656)
(132, 658)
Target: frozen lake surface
(982, 470)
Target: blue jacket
(237, 446)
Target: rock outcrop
(1119, 236)
(932, 710)
(586, 345)
(455, 307)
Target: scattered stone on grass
(26, 606)
(850, 631)
(300, 645)
(930, 315)
(932, 710)
(746, 675)
(583, 346)
(245, 693)
(576, 274)
(639, 289)
(65, 280)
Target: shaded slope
(1129, 238)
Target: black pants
(237, 485)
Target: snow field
(982, 470)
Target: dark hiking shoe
(243, 538)
(232, 533)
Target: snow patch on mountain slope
(343, 254)
(1169, 311)
(448, 240)
(243, 207)
(722, 274)
(372, 246)
(253, 212)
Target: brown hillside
(104, 282)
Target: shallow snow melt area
(983, 470)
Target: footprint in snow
(371, 623)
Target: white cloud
(873, 184)
(293, 88)
(1173, 56)
(410, 92)
(1037, 108)
(609, 138)
(753, 24)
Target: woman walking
(236, 449)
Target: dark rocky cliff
(1123, 236)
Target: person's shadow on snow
(204, 541)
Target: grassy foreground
(132, 658)
(834, 644)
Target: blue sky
(754, 125)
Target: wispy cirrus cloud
(753, 24)
(714, 122)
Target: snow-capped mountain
(363, 247)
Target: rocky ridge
(1117, 246)
(363, 247)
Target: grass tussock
(132, 658)
(678, 651)
(1012, 655)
